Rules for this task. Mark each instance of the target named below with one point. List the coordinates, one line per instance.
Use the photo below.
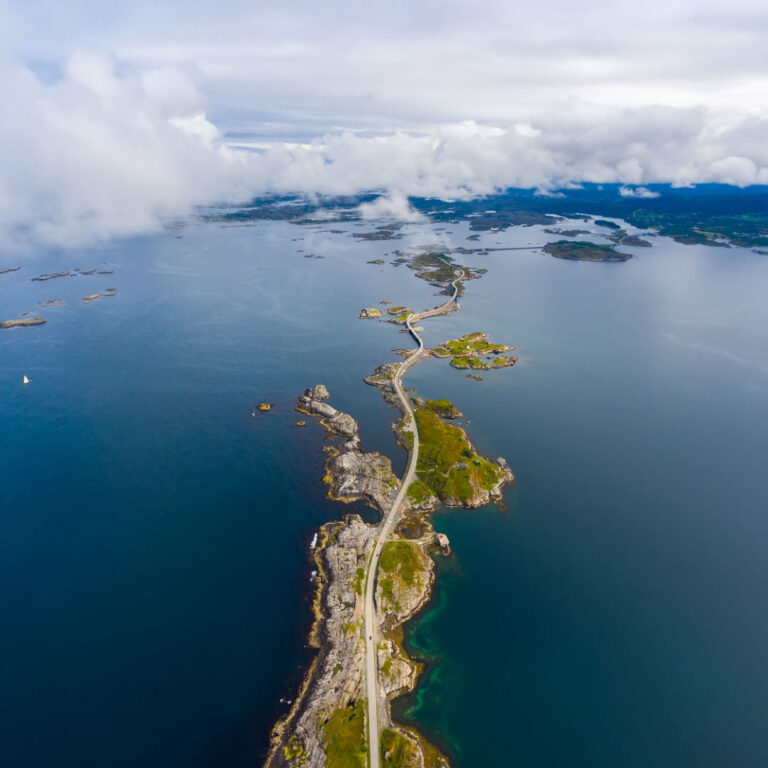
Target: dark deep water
(153, 534)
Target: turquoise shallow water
(153, 534)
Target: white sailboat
(25, 380)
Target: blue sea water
(153, 534)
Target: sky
(116, 116)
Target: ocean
(154, 534)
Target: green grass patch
(388, 592)
(447, 464)
(345, 741)
(444, 408)
(357, 582)
(294, 750)
(399, 557)
(582, 250)
(433, 266)
(418, 492)
(396, 750)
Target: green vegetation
(405, 437)
(396, 750)
(386, 667)
(472, 363)
(581, 250)
(357, 582)
(380, 234)
(502, 220)
(607, 224)
(447, 464)
(388, 592)
(397, 310)
(469, 345)
(748, 229)
(418, 492)
(622, 238)
(443, 408)
(433, 266)
(294, 750)
(345, 742)
(399, 557)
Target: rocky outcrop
(318, 392)
(311, 402)
(352, 474)
(336, 676)
(370, 313)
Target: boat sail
(26, 380)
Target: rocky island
(22, 322)
(473, 351)
(582, 250)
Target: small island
(467, 351)
(581, 250)
(96, 296)
(369, 313)
(23, 322)
(399, 315)
(621, 237)
(6, 270)
(50, 276)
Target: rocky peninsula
(370, 579)
(326, 724)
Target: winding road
(371, 623)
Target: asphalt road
(371, 623)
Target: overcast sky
(115, 114)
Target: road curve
(371, 624)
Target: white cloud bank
(99, 154)
(104, 151)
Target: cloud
(94, 146)
(99, 153)
(629, 147)
(641, 192)
(394, 205)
